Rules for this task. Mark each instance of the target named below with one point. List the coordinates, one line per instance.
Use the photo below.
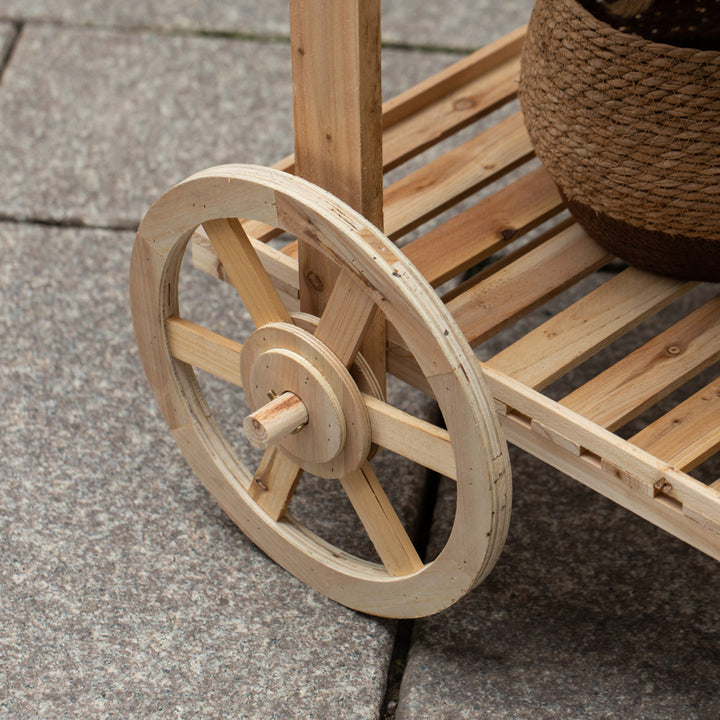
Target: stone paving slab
(465, 24)
(97, 124)
(126, 591)
(591, 613)
(7, 33)
(228, 16)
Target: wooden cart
(339, 307)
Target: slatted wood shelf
(647, 474)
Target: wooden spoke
(381, 522)
(245, 271)
(411, 437)
(204, 349)
(274, 482)
(345, 319)
(281, 267)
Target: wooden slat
(652, 371)
(506, 260)
(453, 77)
(454, 110)
(381, 522)
(434, 102)
(245, 271)
(589, 324)
(486, 227)
(688, 434)
(203, 349)
(462, 171)
(527, 283)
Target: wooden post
(337, 103)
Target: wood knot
(464, 103)
(315, 281)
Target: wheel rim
(377, 273)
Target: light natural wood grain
(344, 322)
(269, 424)
(398, 431)
(462, 171)
(434, 108)
(381, 522)
(279, 266)
(469, 90)
(280, 357)
(613, 467)
(524, 285)
(337, 103)
(652, 371)
(274, 483)
(688, 434)
(411, 437)
(475, 234)
(245, 271)
(337, 99)
(585, 327)
(204, 349)
(335, 48)
(426, 330)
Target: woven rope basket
(630, 131)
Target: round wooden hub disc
(277, 371)
(280, 357)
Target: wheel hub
(279, 358)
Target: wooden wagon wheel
(343, 421)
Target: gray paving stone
(126, 591)
(465, 24)
(591, 613)
(7, 33)
(235, 16)
(117, 118)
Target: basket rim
(638, 41)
